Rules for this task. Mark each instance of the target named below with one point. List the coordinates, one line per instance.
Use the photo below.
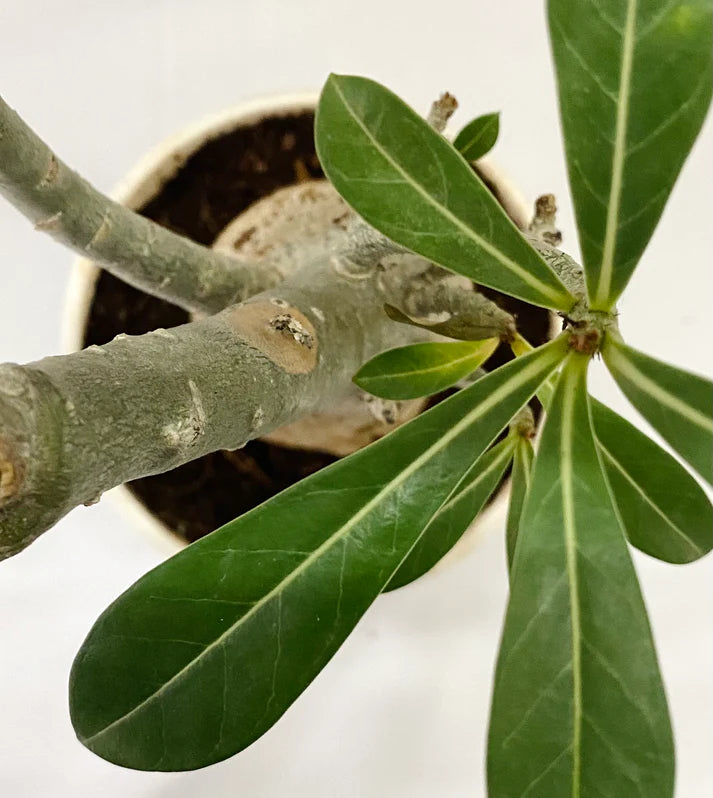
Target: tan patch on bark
(50, 223)
(101, 233)
(255, 322)
(52, 172)
(9, 474)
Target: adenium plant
(202, 655)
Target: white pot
(143, 182)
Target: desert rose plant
(202, 655)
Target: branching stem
(74, 426)
(62, 204)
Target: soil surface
(216, 183)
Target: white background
(402, 708)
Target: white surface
(402, 709)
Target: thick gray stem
(61, 203)
(74, 426)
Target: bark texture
(74, 426)
(62, 204)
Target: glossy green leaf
(523, 458)
(458, 512)
(578, 705)
(520, 346)
(422, 369)
(478, 137)
(411, 184)
(678, 404)
(203, 654)
(665, 512)
(634, 81)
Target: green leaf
(545, 392)
(664, 511)
(634, 81)
(523, 458)
(678, 404)
(578, 706)
(422, 369)
(456, 514)
(203, 654)
(478, 137)
(411, 184)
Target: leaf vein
(508, 263)
(647, 498)
(528, 790)
(618, 158)
(528, 372)
(586, 67)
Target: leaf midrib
(395, 375)
(570, 541)
(606, 267)
(456, 498)
(559, 300)
(526, 455)
(463, 148)
(498, 395)
(624, 364)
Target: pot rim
(140, 184)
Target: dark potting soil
(216, 183)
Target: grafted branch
(449, 308)
(61, 203)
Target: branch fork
(307, 317)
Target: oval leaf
(523, 457)
(422, 369)
(412, 185)
(578, 705)
(478, 137)
(457, 513)
(634, 83)
(664, 510)
(203, 654)
(678, 404)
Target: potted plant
(202, 655)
